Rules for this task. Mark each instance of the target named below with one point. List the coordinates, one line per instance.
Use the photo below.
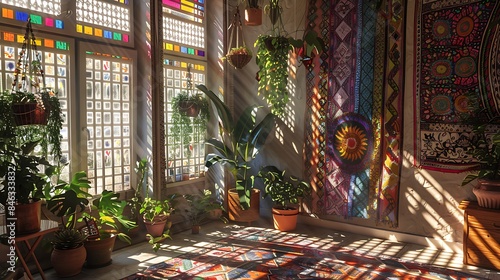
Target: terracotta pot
(285, 219)
(234, 208)
(68, 263)
(29, 113)
(195, 229)
(157, 226)
(487, 193)
(27, 217)
(99, 251)
(189, 108)
(253, 16)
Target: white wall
(428, 200)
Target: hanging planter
(189, 108)
(253, 13)
(238, 55)
(29, 113)
(253, 16)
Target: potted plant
(285, 192)
(199, 208)
(239, 143)
(253, 13)
(238, 56)
(155, 214)
(69, 199)
(272, 58)
(485, 149)
(103, 229)
(188, 111)
(24, 183)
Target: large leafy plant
(239, 143)
(485, 149)
(20, 170)
(111, 219)
(283, 189)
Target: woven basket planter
(238, 60)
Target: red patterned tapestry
(355, 100)
(457, 62)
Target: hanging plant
(35, 111)
(238, 55)
(272, 59)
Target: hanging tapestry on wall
(457, 61)
(353, 145)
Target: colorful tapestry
(458, 50)
(358, 112)
(256, 253)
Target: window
(185, 49)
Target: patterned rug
(254, 253)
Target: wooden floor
(137, 257)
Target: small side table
(481, 239)
(46, 226)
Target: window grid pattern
(108, 105)
(184, 27)
(51, 7)
(103, 14)
(185, 161)
(55, 60)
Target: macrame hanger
(236, 30)
(238, 54)
(29, 65)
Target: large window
(95, 88)
(108, 121)
(185, 49)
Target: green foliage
(110, 210)
(135, 202)
(69, 199)
(156, 241)
(272, 59)
(199, 205)
(485, 149)
(49, 136)
(239, 143)
(182, 128)
(68, 238)
(152, 209)
(19, 168)
(283, 189)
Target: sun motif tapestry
(354, 117)
(457, 65)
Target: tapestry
(257, 253)
(357, 156)
(457, 64)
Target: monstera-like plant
(239, 143)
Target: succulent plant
(68, 238)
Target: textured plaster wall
(429, 200)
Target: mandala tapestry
(352, 148)
(458, 62)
